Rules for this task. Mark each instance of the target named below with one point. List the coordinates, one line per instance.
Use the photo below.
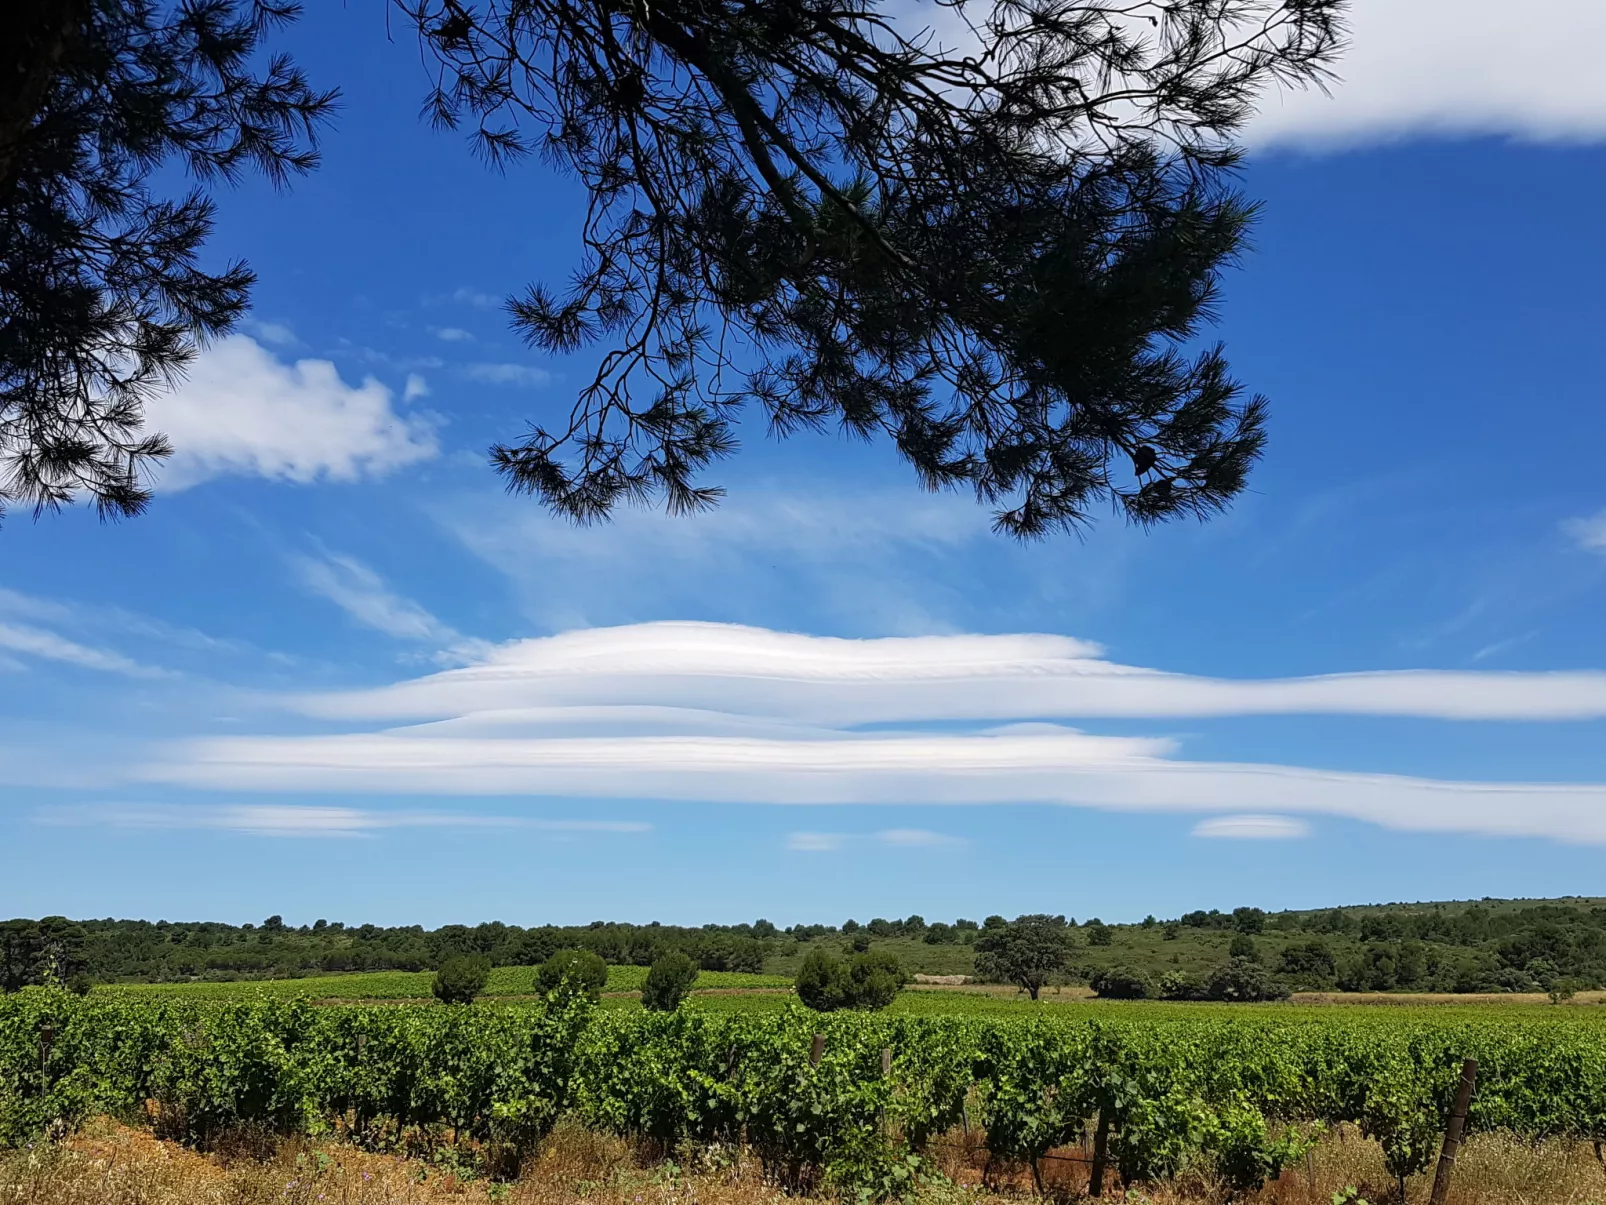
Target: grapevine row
(1242, 1092)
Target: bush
(459, 980)
(1120, 983)
(1240, 981)
(877, 978)
(1243, 946)
(1099, 934)
(822, 982)
(580, 971)
(1175, 985)
(865, 981)
(668, 981)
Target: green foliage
(1241, 981)
(460, 980)
(822, 982)
(573, 971)
(867, 981)
(876, 978)
(668, 982)
(101, 279)
(1027, 952)
(46, 953)
(1239, 1091)
(1121, 983)
(1243, 946)
(918, 285)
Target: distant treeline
(1489, 946)
(1480, 947)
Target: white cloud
(815, 843)
(1454, 67)
(241, 411)
(273, 332)
(1589, 533)
(417, 387)
(1252, 828)
(839, 682)
(452, 334)
(293, 820)
(507, 374)
(362, 594)
(709, 712)
(916, 838)
(901, 838)
(49, 646)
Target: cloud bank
(755, 672)
(242, 412)
(718, 713)
(1453, 67)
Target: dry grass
(109, 1164)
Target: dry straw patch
(109, 1164)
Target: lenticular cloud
(712, 712)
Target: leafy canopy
(669, 980)
(102, 299)
(1027, 951)
(578, 971)
(461, 979)
(994, 243)
(867, 981)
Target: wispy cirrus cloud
(717, 713)
(898, 838)
(51, 646)
(1252, 828)
(488, 373)
(1588, 533)
(366, 597)
(296, 820)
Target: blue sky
(335, 672)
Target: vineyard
(852, 1109)
(415, 985)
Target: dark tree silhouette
(101, 298)
(992, 244)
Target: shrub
(822, 982)
(1099, 934)
(579, 971)
(1239, 981)
(1175, 985)
(1120, 983)
(1243, 946)
(877, 978)
(459, 980)
(668, 981)
(865, 981)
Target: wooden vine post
(46, 1037)
(1452, 1131)
(817, 1051)
(1101, 1155)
